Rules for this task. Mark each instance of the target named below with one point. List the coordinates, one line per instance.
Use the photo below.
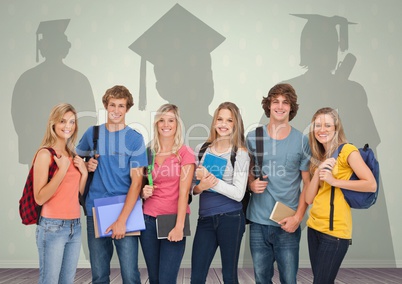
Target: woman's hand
(207, 182)
(63, 162)
(175, 235)
(325, 170)
(201, 172)
(80, 164)
(328, 164)
(147, 191)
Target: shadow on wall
(42, 87)
(326, 83)
(179, 46)
(49, 83)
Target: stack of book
(107, 210)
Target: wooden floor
(345, 276)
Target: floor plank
(246, 276)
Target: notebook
(280, 212)
(165, 223)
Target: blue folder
(215, 165)
(108, 209)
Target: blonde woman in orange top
(58, 234)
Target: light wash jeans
(59, 244)
(101, 252)
(269, 244)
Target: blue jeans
(223, 230)
(101, 252)
(163, 258)
(326, 255)
(59, 244)
(269, 244)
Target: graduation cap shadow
(47, 84)
(179, 46)
(327, 83)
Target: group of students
(289, 158)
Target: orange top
(64, 203)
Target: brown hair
(285, 90)
(118, 92)
(237, 136)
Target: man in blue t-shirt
(285, 164)
(118, 169)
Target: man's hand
(258, 186)
(290, 224)
(118, 230)
(92, 164)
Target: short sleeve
(187, 155)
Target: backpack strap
(259, 141)
(151, 163)
(331, 201)
(95, 138)
(233, 154)
(202, 150)
(52, 169)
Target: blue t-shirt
(119, 152)
(283, 162)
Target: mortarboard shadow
(179, 46)
(49, 83)
(326, 83)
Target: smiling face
(167, 125)
(66, 127)
(224, 123)
(280, 109)
(324, 129)
(116, 111)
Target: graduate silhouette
(326, 83)
(51, 82)
(179, 46)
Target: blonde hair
(178, 137)
(237, 136)
(318, 153)
(56, 115)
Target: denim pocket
(232, 214)
(52, 226)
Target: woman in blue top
(221, 220)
